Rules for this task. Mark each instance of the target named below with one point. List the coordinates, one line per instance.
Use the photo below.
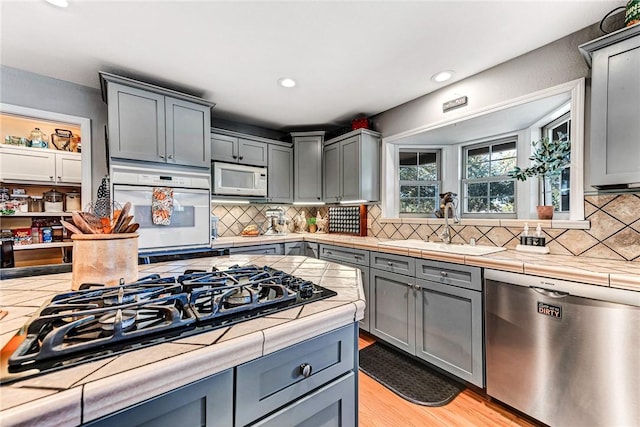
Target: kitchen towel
(162, 205)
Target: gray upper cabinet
(615, 108)
(308, 166)
(149, 123)
(351, 167)
(234, 149)
(280, 174)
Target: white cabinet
(39, 165)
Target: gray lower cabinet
(615, 108)
(344, 255)
(331, 405)
(308, 249)
(292, 378)
(436, 316)
(449, 329)
(149, 123)
(208, 402)
(280, 174)
(392, 309)
(307, 166)
(272, 249)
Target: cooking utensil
(87, 222)
(132, 228)
(102, 207)
(61, 139)
(122, 217)
(72, 228)
(124, 224)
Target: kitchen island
(91, 391)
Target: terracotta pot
(104, 258)
(313, 228)
(545, 212)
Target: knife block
(104, 258)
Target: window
(486, 185)
(419, 181)
(559, 129)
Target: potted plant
(549, 158)
(311, 222)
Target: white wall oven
(187, 220)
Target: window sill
(517, 223)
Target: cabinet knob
(235, 157)
(318, 198)
(162, 156)
(305, 370)
(59, 178)
(444, 273)
(328, 252)
(51, 177)
(171, 156)
(241, 157)
(409, 285)
(416, 287)
(389, 263)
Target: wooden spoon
(72, 228)
(132, 228)
(93, 221)
(121, 218)
(80, 223)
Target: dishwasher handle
(549, 292)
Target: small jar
(72, 202)
(35, 204)
(53, 201)
(19, 203)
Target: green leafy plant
(311, 221)
(549, 159)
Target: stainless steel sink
(451, 248)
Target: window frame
(464, 180)
(437, 182)
(546, 130)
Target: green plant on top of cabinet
(280, 174)
(236, 149)
(351, 167)
(615, 102)
(150, 123)
(40, 165)
(308, 166)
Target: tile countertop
(593, 271)
(89, 391)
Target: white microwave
(239, 180)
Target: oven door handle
(124, 187)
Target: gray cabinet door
(187, 133)
(208, 402)
(332, 405)
(393, 313)
(308, 249)
(350, 169)
(615, 114)
(280, 174)
(308, 168)
(224, 148)
(449, 330)
(331, 173)
(252, 152)
(136, 124)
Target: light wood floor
(380, 407)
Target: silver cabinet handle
(162, 156)
(389, 263)
(171, 156)
(328, 252)
(417, 287)
(444, 273)
(305, 370)
(410, 285)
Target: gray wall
(556, 63)
(19, 87)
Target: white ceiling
(349, 58)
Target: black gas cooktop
(98, 321)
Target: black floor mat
(408, 378)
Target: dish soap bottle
(524, 235)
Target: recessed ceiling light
(286, 82)
(59, 3)
(442, 76)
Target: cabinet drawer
(275, 249)
(450, 274)
(393, 263)
(340, 254)
(273, 381)
(332, 405)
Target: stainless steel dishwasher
(565, 353)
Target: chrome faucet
(446, 234)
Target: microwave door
(190, 221)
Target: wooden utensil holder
(104, 258)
